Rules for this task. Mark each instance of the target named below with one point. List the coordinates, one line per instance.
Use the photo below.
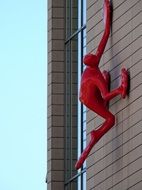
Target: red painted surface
(94, 91)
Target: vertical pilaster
(55, 179)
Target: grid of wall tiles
(116, 160)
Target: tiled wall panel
(116, 160)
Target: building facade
(74, 29)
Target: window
(75, 111)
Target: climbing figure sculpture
(94, 90)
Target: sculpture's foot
(95, 136)
(124, 82)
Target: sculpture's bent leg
(106, 76)
(122, 90)
(97, 134)
(124, 82)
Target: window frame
(69, 38)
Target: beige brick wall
(55, 175)
(116, 161)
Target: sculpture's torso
(88, 89)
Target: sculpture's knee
(111, 120)
(106, 97)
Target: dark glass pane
(74, 15)
(72, 185)
(68, 112)
(68, 18)
(71, 17)
(71, 107)
(74, 102)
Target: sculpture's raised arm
(105, 36)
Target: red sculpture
(94, 92)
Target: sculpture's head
(90, 60)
